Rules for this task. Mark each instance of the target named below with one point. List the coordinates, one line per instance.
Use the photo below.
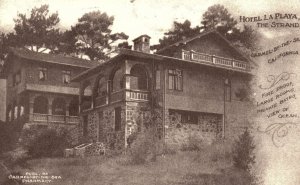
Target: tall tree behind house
(216, 17)
(92, 36)
(39, 31)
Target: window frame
(17, 78)
(64, 74)
(177, 79)
(45, 70)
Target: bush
(243, 156)
(194, 143)
(49, 143)
(143, 147)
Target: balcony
(59, 119)
(216, 60)
(137, 95)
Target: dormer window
(43, 74)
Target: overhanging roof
(138, 54)
(53, 58)
(205, 33)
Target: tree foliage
(93, 35)
(37, 30)
(216, 17)
(179, 32)
(243, 151)
(219, 18)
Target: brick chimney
(142, 43)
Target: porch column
(67, 111)
(50, 100)
(31, 104)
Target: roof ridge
(53, 58)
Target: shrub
(5, 137)
(194, 143)
(243, 156)
(143, 147)
(49, 143)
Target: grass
(180, 168)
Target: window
(227, 89)
(175, 79)
(66, 77)
(17, 78)
(118, 119)
(43, 74)
(189, 117)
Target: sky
(137, 17)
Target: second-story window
(175, 79)
(66, 76)
(43, 74)
(17, 78)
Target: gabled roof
(53, 58)
(205, 33)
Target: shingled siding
(54, 74)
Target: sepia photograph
(137, 92)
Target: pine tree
(243, 151)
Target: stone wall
(208, 128)
(101, 127)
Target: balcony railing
(117, 96)
(215, 60)
(137, 95)
(61, 119)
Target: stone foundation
(207, 128)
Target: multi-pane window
(227, 89)
(175, 79)
(43, 74)
(189, 117)
(66, 76)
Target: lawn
(207, 166)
